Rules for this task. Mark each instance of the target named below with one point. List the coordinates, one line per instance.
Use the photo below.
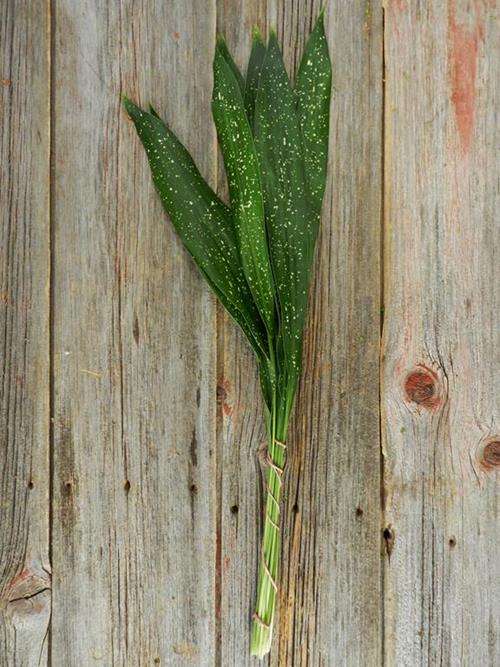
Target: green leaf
(154, 113)
(257, 56)
(224, 51)
(240, 159)
(202, 221)
(313, 90)
(291, 224)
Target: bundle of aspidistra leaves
(256, 254)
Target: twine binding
(278, 470)
(261, 622)
(270, 494)
(266, 570)
(274, 525)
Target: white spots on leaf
(292, 168)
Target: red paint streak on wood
(227, 409)
(464, 48)
(400, 5)
(223, 390)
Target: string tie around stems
(279, 474)
(270, 520)
(279, 471)
(260, 621)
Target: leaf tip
(320, 21)
(220, 42)
(132, 109)
(257, 35)
(273, 44)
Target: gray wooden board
(24, 333)
(134, 347)
(154, 489)
(441, 367)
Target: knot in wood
(491, 455)
(421, 388)
(29, 593)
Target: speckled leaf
(224, 52)
(153, 112)
(247, 205)
(291, 222)
(201, 219)
(257, 56)
(312, 90)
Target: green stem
(262, 625)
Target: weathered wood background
(130, 498)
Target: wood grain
(24, 333)
(134, 348)
(441, 368)
(332, 586)
(330, 606)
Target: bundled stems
(267, 586)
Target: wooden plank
(330, 606)
(441, 369)
(24, 333)
(134, 346)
